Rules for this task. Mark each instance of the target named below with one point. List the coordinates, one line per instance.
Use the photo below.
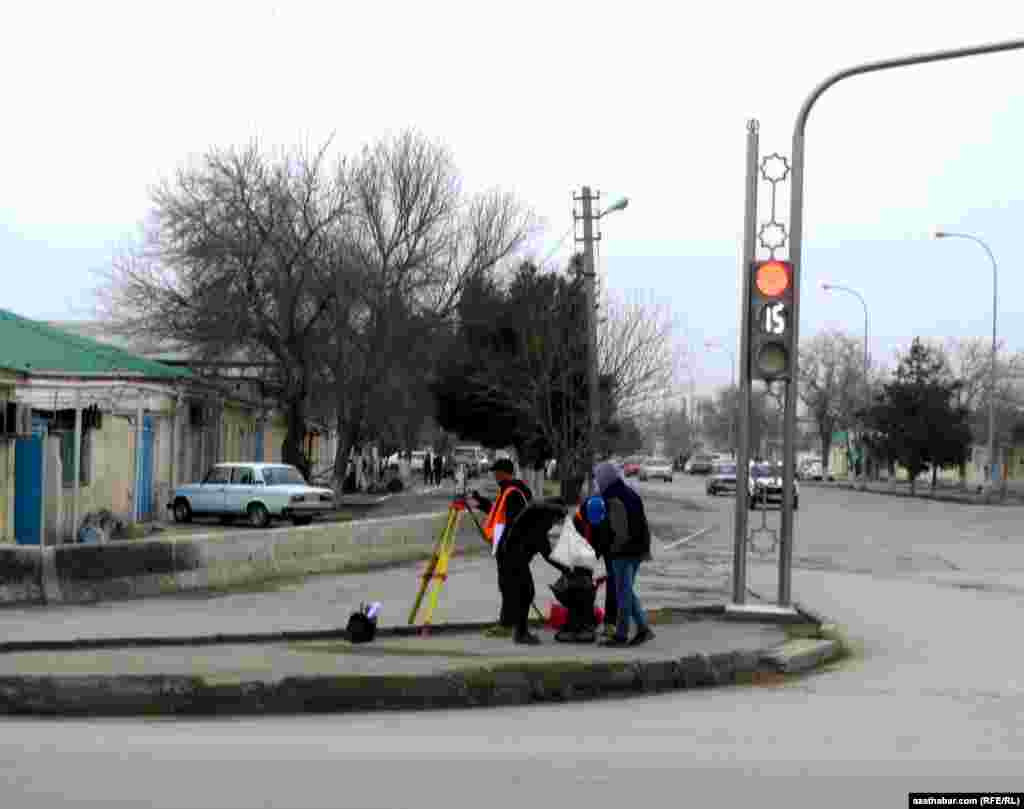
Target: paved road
(936, 701)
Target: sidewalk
(949, 493)
(454, 666)
(286, 651)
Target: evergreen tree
(917, 421)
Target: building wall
(6, 467)
(112, 468)
(273, 438)
(238, 437)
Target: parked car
(722, 479)
(258, 492)
(417, 459)
(812, 471)
(765, 486)
(656, 468)
(701, 464)
(632, 466)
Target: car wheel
(669, 478)
(182, 511)
(258, 515)
(302, 520)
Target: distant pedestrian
(630, 545)
(427, 469)
(438, 469)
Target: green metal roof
(32, 346)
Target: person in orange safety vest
(513, 497)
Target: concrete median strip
(454, 666)
(218, 561)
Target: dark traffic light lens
(772, 359)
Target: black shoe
(527, 639)
(616, 643)
(642, 636)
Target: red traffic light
(772, 277)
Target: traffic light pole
(739, 562)
(795, 250)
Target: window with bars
(67, 458)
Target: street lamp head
(826, 286)
(939, 234)
(619, 205)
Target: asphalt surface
(930, 592)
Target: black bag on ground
(577, 592)
(361, 629)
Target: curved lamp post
(945, 234)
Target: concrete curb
(483, 686)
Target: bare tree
(637, 353)
(235, 246)
(416, 240)
(831, 383)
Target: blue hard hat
(596, 510)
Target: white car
(656, 468)
(258, 492)
(417, 458)
(764, 485)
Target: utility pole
(590, 284)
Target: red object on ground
(558, 615)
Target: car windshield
(727, 469)
(660, 462)
(762, 471)
(283, 476)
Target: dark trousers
(611, 601)
(517, 593)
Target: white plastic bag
(572, 550)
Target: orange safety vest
(494, 526)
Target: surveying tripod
(436, 572)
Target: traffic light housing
(770, 320)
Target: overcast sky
(645, 99)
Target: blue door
(259, 442)
(145, 488)
(28, 490)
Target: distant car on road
(656, 468)
(701, 464)
(632, 466)
(765, 486)
(722, 479)
(258, 492)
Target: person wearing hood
(630, 545)
(513, 497)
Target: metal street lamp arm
(903, 61)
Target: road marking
(690, 538)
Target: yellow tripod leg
(441, 570)
(428, 574)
